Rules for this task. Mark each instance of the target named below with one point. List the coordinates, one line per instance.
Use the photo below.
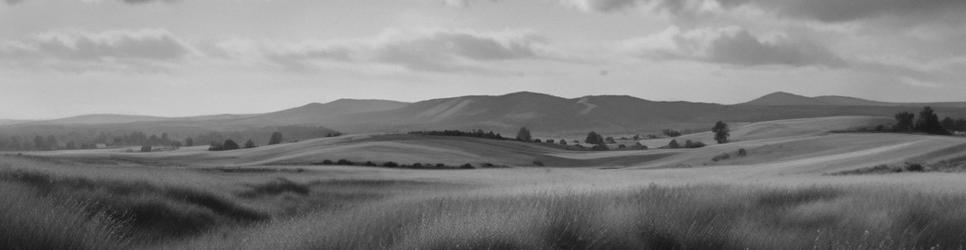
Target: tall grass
(698, 217)
(51, 211)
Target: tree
(229, 145)
(146, 149)
(610, 139)
(250, 144)
(904, 122)
(275, 139)
(721, 132)
(673, 144)
(39, 143)
(189, 142)
(671, 133)
(949, 123)
(594, 138)
(563, 142)
(928, 122)
(524, 135)
(51, 143)
(960, 125)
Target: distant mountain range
(789, 99)
(505, 113)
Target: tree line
(81, 139)
(926, 122)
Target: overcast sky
(189, 57)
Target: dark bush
(742, 152)
(370, 164)
(538, 163)
(467, 166)
(914, 167)
(390, 164)
(328, 162)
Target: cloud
(732, 46)
(14, 2)
(828, 11)
(82, 50)
(122, 44)
(425, 50)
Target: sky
(61, 58)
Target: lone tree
(276, 138)
(594, 138)
(524, 135)
(721, 132)
(904, 122)
(929, 122)
(229, 145)
(250, 144)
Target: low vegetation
(392, 164)
(910, 167)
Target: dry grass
(696, 217)
(63, 209)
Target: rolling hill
(546, 115)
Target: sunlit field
(62, 205)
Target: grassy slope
(378, 148)
(772, 199)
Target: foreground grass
(700, 217)
(57, 211)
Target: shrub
(345, 162)
(328, 162)
(914, 167)
(671, 133)
(693, 144)
(538, 163)
(742, 152)
(673, 144)
(370, 164)
(721, 157)
(146, 149)
(467, 166)
(390, 164)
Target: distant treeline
(479, 133)
(391, 164)
(90, 138)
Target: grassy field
(782, 195)
(84, 206)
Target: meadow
(63, 205)
(794, 186)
